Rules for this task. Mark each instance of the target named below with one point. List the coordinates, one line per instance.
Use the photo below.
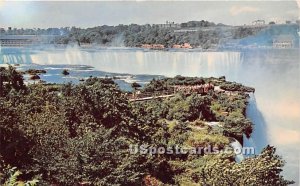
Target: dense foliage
(80, 135)
(232, 86)
(208, 35)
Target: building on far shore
(168, 24)
(17, 40)
(185, 46)
(258, 22)
(185, 30)
(153, 46)
(283, 41)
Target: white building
(258, 22)
(17, 40)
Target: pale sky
(88, 14)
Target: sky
(42, 14)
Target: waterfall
(131, 61)
(9, 55)
(237, 147)
(258, 138)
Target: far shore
(98, 48)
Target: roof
(18, 37)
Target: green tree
(264, 169)
(10, 79)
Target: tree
(13, 179)
(264, 169)
(14, 144)
(10, 79)
(87, 130)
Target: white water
(136, 62)
(237, 148)
(258, 138)
(275, 109)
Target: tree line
(205, 35)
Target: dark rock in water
(65, 72)
(115, 77)
(35, 71)
(34, 77)
(135, 85)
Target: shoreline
(121, 48)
